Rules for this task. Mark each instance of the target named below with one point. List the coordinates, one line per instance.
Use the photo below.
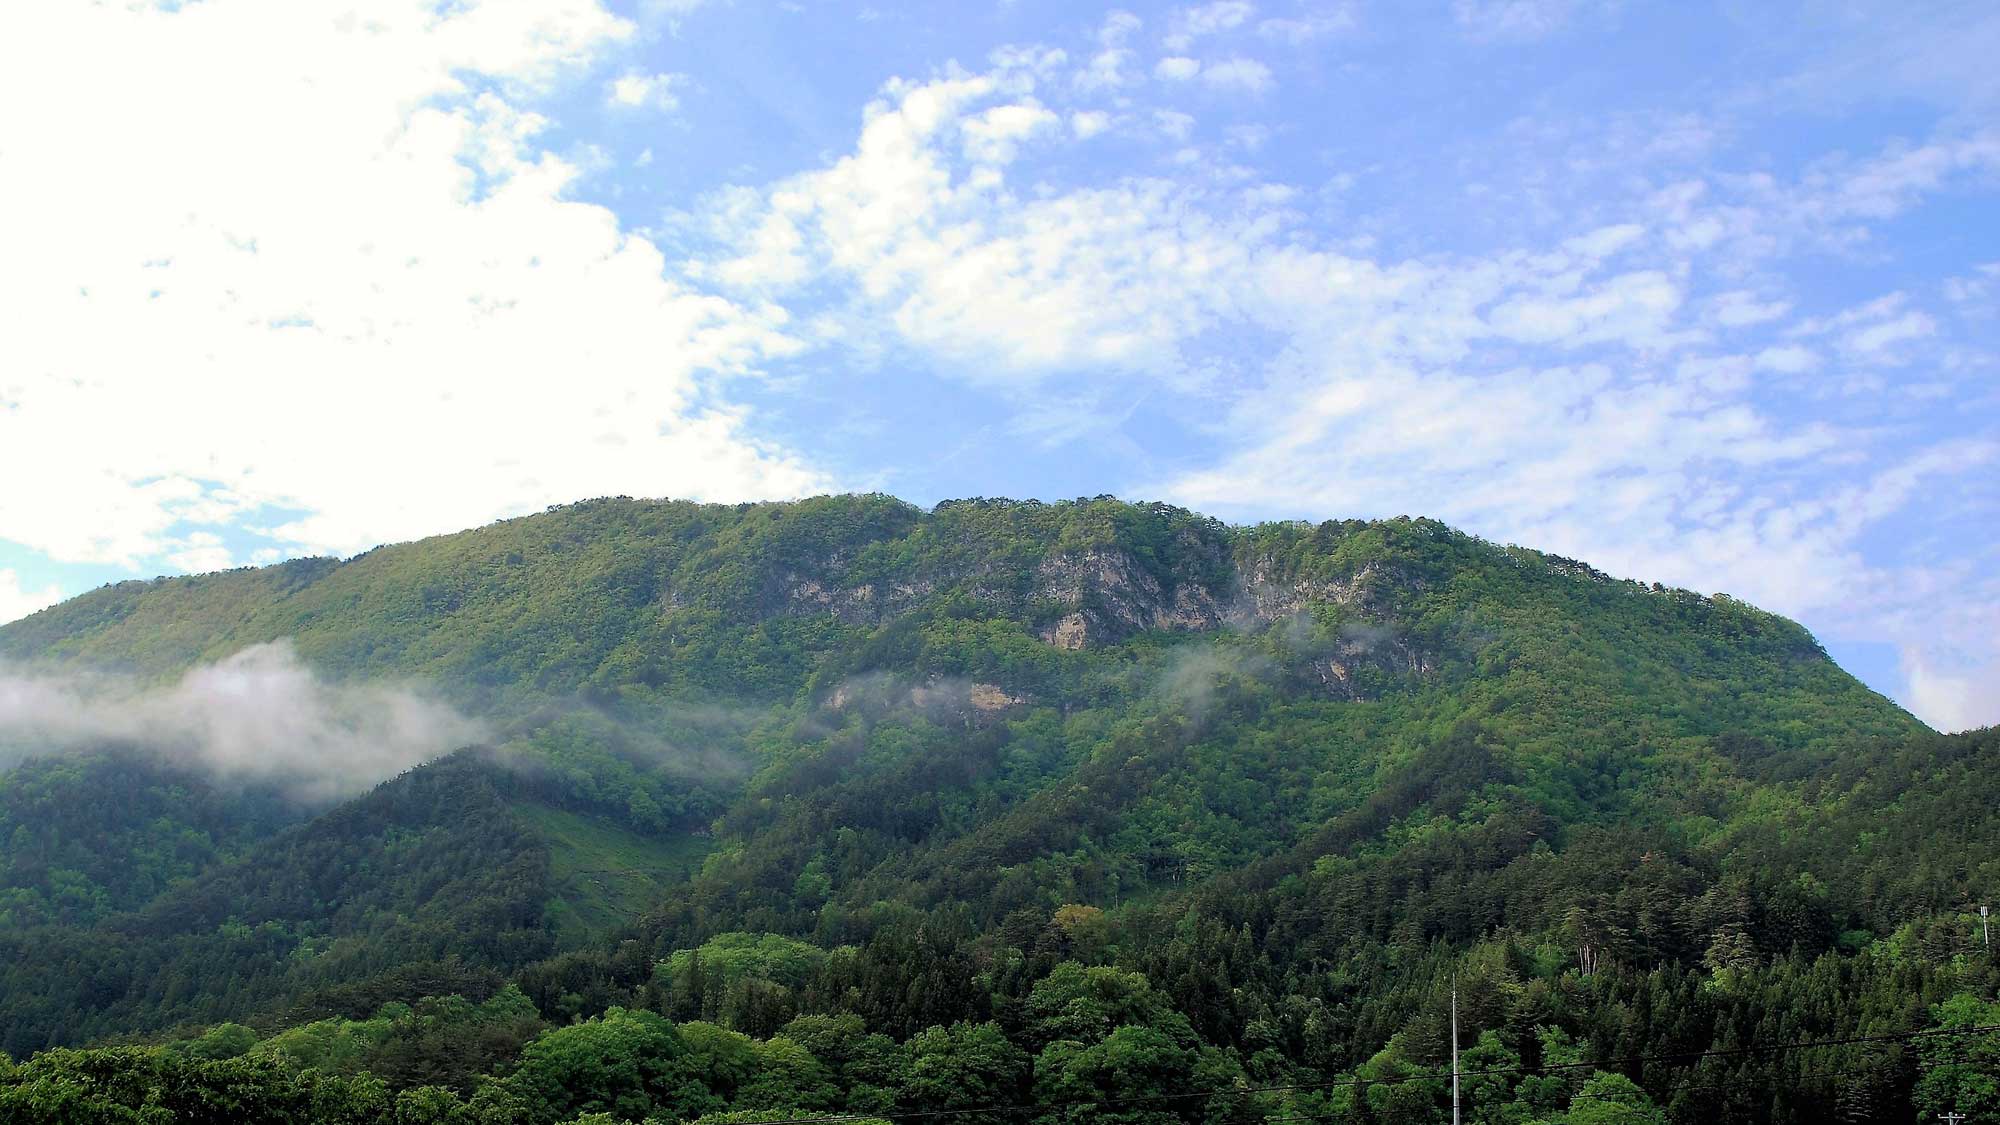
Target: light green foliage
(1960, 1073)
(339, 1046)
(730, 957)
(1612, 1099)
(745, 980)
(223, 1041)
(866, 1065)
(789, 1077)
(624, 1063)
(1086, 1004)
(721, 1061)
(603, 874)
(429, 1105)
(1134, 1068)
(963, 1066)
(735, 1117)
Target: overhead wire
(1289, 1087)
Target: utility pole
(1952, 1118)
(1454, 1052)
(1985, 932)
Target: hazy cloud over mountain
(259, 715)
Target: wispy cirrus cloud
(1617, 393)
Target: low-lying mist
(260, 715)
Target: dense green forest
(1005, 812)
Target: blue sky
(1702, 293)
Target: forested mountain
(1004, 811)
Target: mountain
(1106, 808)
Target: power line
(1638, 1060)
(1678, 1089)
(1631, 1060)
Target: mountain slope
(904, 767)
(90, 834)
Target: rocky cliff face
(1076, 598)
(757, 600)
(1102, 596)
(1108, 597)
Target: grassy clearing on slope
(604, 875)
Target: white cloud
(362, 294)
(1859, 52)
(1246, 75)
(1250, 138)
(260, 713)
(1887, 184)
(645, 91)
(1118, 26)
(1972, 288)
(1106, 68)
(1596, 397)
(1952, 700)
(1740, 307)
(1882, 331)
(671, 12)
(200, 551)
(1190, 25)
(1634, 308)
(17, 601)
(1513, 19)
(1173, 124)
(1176, 68)
(992, 136)
(1787, 359)
(1300, 30)
(1088, 123)
(1832, 206)
(1876, 339)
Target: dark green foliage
(429, 867)
(86, 835)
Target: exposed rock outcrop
(1111, 597)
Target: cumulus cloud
(992, 137)
(260, 715)
(1189, 25)
(1088, 123)
(1952, 699)
(1239, 74)
(323, 280)
(18, 601)
(1297, 31)
(1107, 65)
(645, 91)
(199, 551)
